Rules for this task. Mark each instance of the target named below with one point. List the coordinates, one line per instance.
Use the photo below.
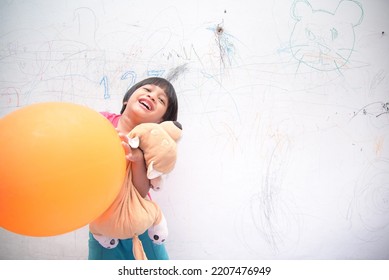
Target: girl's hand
(131, 154)
(138, 167)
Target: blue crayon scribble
(104, 81)
(129, 74)
(224, 42)
(155, 73)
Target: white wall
(285, 152)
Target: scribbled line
(270, 212)
(377, 80)
(224, 44)
(174, 73)
(369, 207)
(9, 97)
(376, 109)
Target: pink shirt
(113, 118)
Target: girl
(151, 100)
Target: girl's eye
(162, 101)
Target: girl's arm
(138, 168)
(139, 172)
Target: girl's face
(147, 104)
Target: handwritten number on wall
(104, 82)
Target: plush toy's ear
(173, 128)
(133, 142)
(151, 172)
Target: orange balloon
(61, 166)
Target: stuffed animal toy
(158, 143)
(131, 214)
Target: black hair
(172, 109)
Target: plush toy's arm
(138, 132)
(134, 142)
(171, 128)
(158, 143)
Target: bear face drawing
(322, 39)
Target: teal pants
(123, 251)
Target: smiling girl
(152, 100)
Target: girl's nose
(151, 96)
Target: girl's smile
(146, 103)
